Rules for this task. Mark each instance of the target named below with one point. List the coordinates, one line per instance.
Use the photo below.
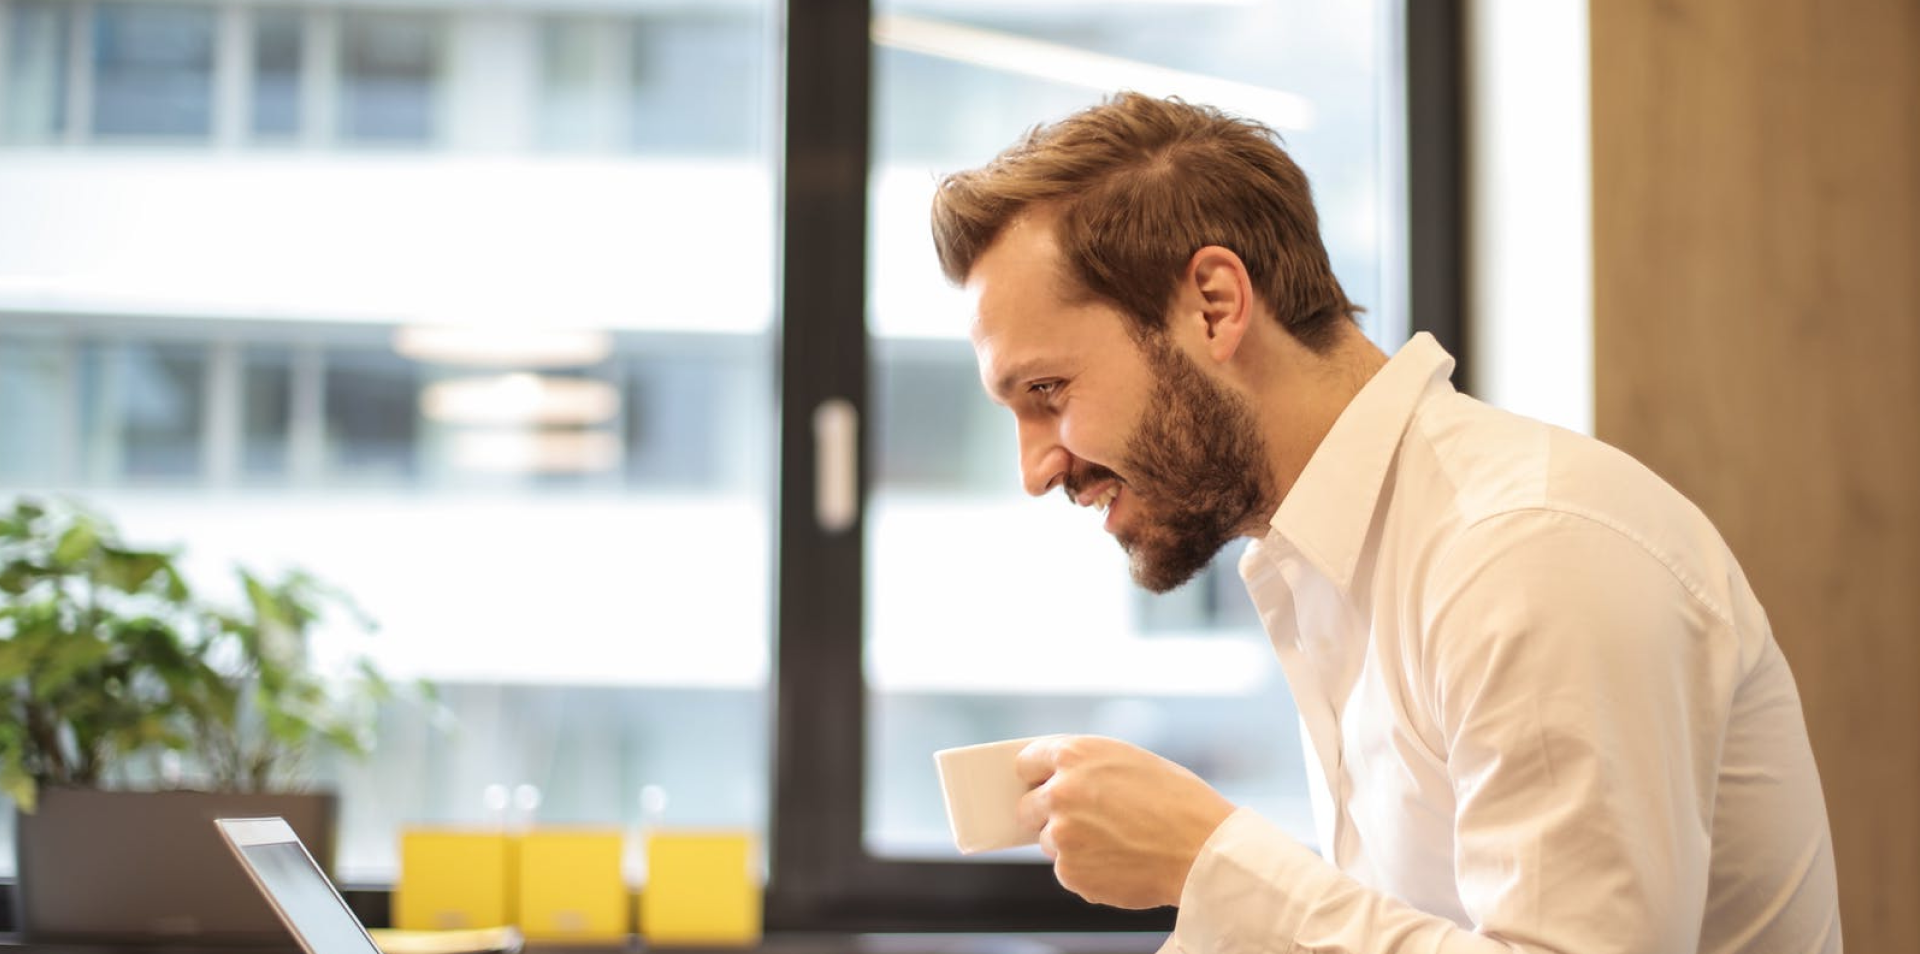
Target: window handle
(836, 464)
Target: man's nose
(1043, 462)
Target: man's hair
(1140, 184)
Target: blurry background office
(476, 310)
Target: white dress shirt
(1542, 709)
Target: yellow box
(571, 886)
(702, 889)
(454, 879)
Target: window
(266, 408)
(372, 405)
(390, 70)
(31, 383)
(580, 68)
(682, 85)
(39, 50)
(278, 72)
(909, 620)
(694, 84)
(479, 397)
(623, 605)
(142, 411)
(530, 383)
(152, 70)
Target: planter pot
(149, 866)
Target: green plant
(109, 659)
(281, 710)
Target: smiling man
(1543, 710)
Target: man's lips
(1102, 495)
(1109, 502)
(1099, 488)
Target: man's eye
(1043, 388)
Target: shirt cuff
(1248, 891)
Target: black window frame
(822, 878)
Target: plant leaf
(18, 576)
(76, 544)
(130, 570)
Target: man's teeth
(1105, 499)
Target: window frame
(822, 878)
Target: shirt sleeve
(1578, 684)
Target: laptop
(313, 911)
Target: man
(1543, 710)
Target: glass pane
(678, 81)
(39, 36)
(266, 406)
(695, 419)
(558, 509)
(277, 62)
(579, 83)
(585, 575)
(695, 81)
(592, 752)
(32, 392)
(390, 77)
(143, 410)
(152, 70)
(372, 398)
(1063, 640)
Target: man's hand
(1121, 824)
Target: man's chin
(1161, 570)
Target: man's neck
(1302, 400)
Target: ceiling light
(520, 398)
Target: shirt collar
(1326, 515)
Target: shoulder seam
(1693, 587)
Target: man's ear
(1224, 291)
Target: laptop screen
(303, 895)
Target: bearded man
(1542, 708)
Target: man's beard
(1198, 467)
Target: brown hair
(1140, 184)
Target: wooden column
(1756, 198)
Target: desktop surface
(777, 943)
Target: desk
(779, 943)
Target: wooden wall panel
(1757, 342)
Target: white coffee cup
(983, 794)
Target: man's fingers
(1049, 848)
(1034, 808)
(1036, 762)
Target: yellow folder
(702, 889)
(571, 886)
(454, 879)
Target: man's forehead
(976, 325)
(997, 332)
(986, 356)
(1015, 294)
(1018, 272)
